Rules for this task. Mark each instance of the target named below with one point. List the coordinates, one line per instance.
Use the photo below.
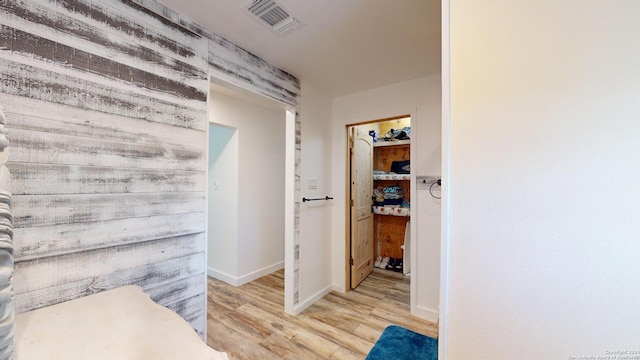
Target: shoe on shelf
(398, 266)
(384, 262)
(391, 264)
(378, 261)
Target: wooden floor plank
(290, 329)
(235, 344)
(338, 336)
(357, 306)
(368, 333)
(286, 348)
(243, 324)
(346, 354)
(248, 321)
(333, 317)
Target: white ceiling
(345, 46)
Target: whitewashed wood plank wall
(7, 304)
(108, 106)
(239, 67)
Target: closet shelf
(391, 143)
(391, 176)
(392, 211)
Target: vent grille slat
(273, 14)
(260, 6)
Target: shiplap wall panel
(187, 307)
(191, 311)
(223, 63)
(108, 100)
(40, 147)
(48, 179)
(109, 266)
(110, 107)
(95, 28)
(24, 78)
(176, 290)
(37, 210)
(69, 120)
(70, 238)
(154, 273)
(237, 66)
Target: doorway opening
(378, 198)
(222, 202)
(249, 178)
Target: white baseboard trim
(426, 313)
(222, 276)
(297, 309)
(240, 280)
(338, 288)
(260, 273)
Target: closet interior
(391, 193)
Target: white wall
(315, 217)
(545, 173)
(423, 96)
(222, 214)
(261, 182)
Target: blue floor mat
(399, 343)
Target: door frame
(445, 206)
(347, 214)
(290, 230)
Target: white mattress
(122, 323)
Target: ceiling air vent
(274, 15)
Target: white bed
(122, 323)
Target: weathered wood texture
(7, 305)
(384, 156)
(389, 235)
(237, 66)
(109, 152)
(108, 101)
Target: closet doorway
(248, 222)
(379, 193)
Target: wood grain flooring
(248, 322)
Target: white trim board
(427, 314)
(241, 280)
(303, 305)
(443, 328)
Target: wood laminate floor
(248, 322)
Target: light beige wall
(422, 97)
(544, 162)
(260, 187)
(315, 217)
